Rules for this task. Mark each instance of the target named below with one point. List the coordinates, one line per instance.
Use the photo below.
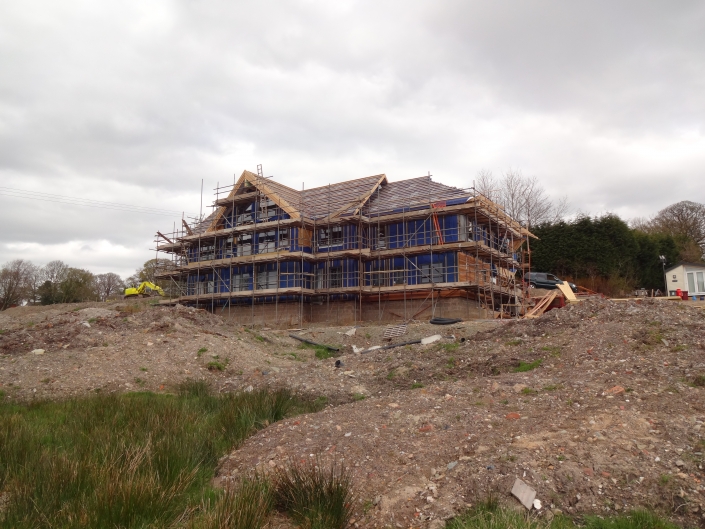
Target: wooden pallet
(542, 305)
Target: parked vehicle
(546, 281)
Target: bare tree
(486, 184)
(684, 221)
(108, 285)
(35, 277)
(14, 278)
(521, 197)
(55, 271)
(53, 274)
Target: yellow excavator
(145, 289)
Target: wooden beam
(359, 201)
(167, 239)
(186, 227)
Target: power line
(87, 202)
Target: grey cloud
(139, 101)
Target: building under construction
(354, 251)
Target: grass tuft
(315, 497)
(321, 352)
(214, 365)
(524, 366)
(246, 506)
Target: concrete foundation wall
(290, 315)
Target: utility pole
(662, 258)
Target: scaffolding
(369, 248)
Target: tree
(148, 271)
(685, 222)
(53, 273)
(602, 253)
(14, 279)
(108, 285)
(78, 285)
(34, 282)
(522, 198)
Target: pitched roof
(685, 263)
(373, 194)
(413, 193)
(341, 198)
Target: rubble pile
(598, 407)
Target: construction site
(363, 250)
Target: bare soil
(607, 416)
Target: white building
(689, 277)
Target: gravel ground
(605, 416)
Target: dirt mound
(135, 347)
(598, 406)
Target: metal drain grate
(396, 330)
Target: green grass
(246, 506)
(358, 396)
(514, 342)
(202, 350)
(699, 380)
(321, 352)
(391, 375)
(634, 520)
(450, 364)
(215, 365)
(416, 385)
(491, 515)
(452, 346)
(260, 338)
(529, 391)
(92, 320)
(129, 461)
(552, 349)
(524, 366)
(552, 387)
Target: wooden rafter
(255, 180)
(358, 202)
(167, 239)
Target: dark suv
(547, 281)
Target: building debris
(525, 494)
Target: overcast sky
(135, 102)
